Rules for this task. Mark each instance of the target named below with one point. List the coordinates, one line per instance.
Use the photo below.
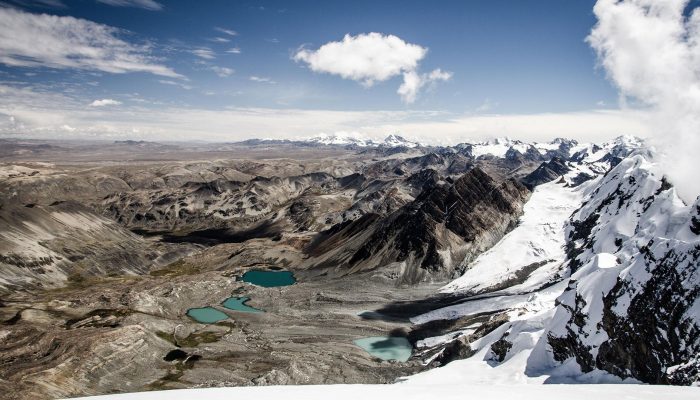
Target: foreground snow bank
(422, 391)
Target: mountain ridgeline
(562, 262)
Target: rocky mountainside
(611, 295)
(428, 238)
(632, 305)
(46, 246)
(421, 211)
(559, 262)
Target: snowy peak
(610, 152)
(354, 139)
(341, 139)
(498, 147)
(631, 308)
(399, 141)
(503, 146)
(600, 280)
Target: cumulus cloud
(105, 102)
(41, 40)
(370, 58)
(413, 82)
(145, 4)
(650, 50)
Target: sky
(439, 72)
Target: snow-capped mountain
(398, 141)
(339, 139)
(498, 147)
(502, 147)
(598, 283)
(564, 262)
(352, 139)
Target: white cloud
(227, 31)
(366, 58)
(261, 79)
(651, 51)
(105, 102)
(41, 40)
(39, 114)
(413, 82)
(373, 57)
(219, 40)
(222, 71)
(234, 50)
(174, 83)
(205, 53)
(146, 4)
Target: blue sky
(508, 58)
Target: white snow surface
(498, 147)
(634, 211)
(419, 391)
(538, 239)
(351, 138)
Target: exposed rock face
(435, 233)
(563, 148)
(211, 204)
(622, 301)
(631, 308)
(43, 246)
(546, 172)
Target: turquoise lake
(269, 278)
(238, 304)
(387, 347)
(206, 315)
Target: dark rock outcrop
(444, 226)
(546, 172)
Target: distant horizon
(232, 71)
(376, 139)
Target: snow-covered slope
(342, 139)
(528, 256)
(498, 147)
(501, 147)
(447, 390)
(399, 141)
(631, 307)
(353, 139)
(609, 294)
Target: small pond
(206, 315)
(387, 347)
(269, 278)
(238, 304)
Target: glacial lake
(269, 278)
(387, 347)
(238, 304)
(206, 315)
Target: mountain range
(559, 262)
